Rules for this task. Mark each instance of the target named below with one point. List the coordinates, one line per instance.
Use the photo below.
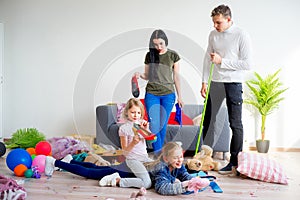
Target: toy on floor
(96, 159)
(39, 162)
(28, 173)
(150, 137)
(36, 174)
(202, 161)
(135, 87)
(19, 170)
(2, 149)
(16, 157)
(139, 195)
(43, 148)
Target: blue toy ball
(2, 149)
(16, 157)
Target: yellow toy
(203, 161)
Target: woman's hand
(180, 102)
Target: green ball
(33, 156)
(28, 173)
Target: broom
(204, 107)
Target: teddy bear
(202, 161)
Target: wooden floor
(64, 185)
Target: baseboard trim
(279, 149)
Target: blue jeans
(92, 171)
(159, 109)
(233, 94)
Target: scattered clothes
(10, 190)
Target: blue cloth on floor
(214, 186)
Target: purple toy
(36, 173)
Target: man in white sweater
(229, 48)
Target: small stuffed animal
(202, 161)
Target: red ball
(43, 148)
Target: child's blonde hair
(167, 150)
(133, 102)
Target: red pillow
(172, 119)
(186, 120)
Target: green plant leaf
(25, 138)
(265, 94)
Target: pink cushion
(261, 168)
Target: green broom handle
(204, 107)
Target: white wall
(62, 58)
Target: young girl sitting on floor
(169, 174)
(134, 149)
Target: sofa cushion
(186, 120)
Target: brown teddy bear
(202, 161)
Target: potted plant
(265, 95)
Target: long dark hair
(154, 54)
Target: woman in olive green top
(162, 73)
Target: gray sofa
(107, 129)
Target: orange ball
(31, 150)
(20, 170)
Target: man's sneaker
(227, 169)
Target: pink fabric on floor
(10, 190)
